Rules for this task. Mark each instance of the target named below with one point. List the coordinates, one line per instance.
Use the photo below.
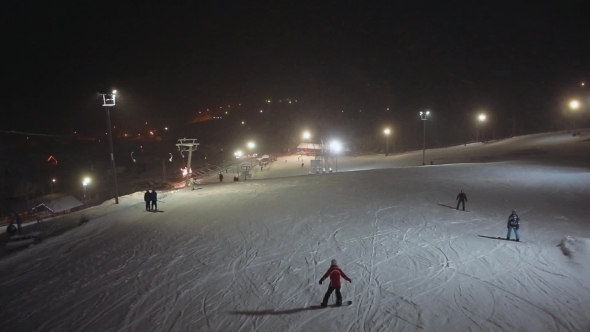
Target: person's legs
(459, 202)
(463, 204)
(517, 234)
(508, 234)
(327, 295)
(154, 205)
(338, 296)
(147, 205)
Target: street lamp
(423, 117)
(85, 183)
(51, 184)
(335, 148)
(574, 105)
(306, 135)
(386, 132)
(108, 101)
(482, 119)
(251, 146)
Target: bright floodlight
(574, 104)
(306, 135)
(53, 180)
(86, 181)
(251, 145)
(238, 153)
(335, 146)
(482, 117)
(427, 112)
(114, 92)
(165, 128)
(387, 131)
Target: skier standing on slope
(334, 272)
(462, 199)
(147, 199)
(154, 197)
(513, 223)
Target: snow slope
(247, 256)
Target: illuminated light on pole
(108, 102)
(251, 146)
(335, 149)
(574, 104)
(386, 132)
(482, 119)
(424, 117)
(85, 183)
(51, 183)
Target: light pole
(51, 184)
(482, 118)
(306, 136)
(108, 101)
(574, 106)
(238, 155)
(251, 146)
(335, 148)
(85, 183)
(423, 116)
(386, 132)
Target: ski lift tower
(190, 145)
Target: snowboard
(344, 304)
(499, 238)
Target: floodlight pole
(423, 116)
(109, 101)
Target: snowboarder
(154, 198)
(334, 272)
(147, 199)
(220, 177)
(462, 199)
(513, 223)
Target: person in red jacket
(334, 272)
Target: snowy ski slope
(247, 256)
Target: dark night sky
(169, 61)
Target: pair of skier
(151, 200)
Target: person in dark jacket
(513, 224)
(154, 198)
(220, 177)
(462, 199)
(147, 198)
(334, 272)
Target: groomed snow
(247, 256)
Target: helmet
(334, 262)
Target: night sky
(169, 61)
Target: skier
(513, 223)
(146, 198)
(220, 177)
(462, 199)
(154, 197)
(334, 272)
(302, 165)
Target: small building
(309, 149)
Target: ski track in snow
(247, 256)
